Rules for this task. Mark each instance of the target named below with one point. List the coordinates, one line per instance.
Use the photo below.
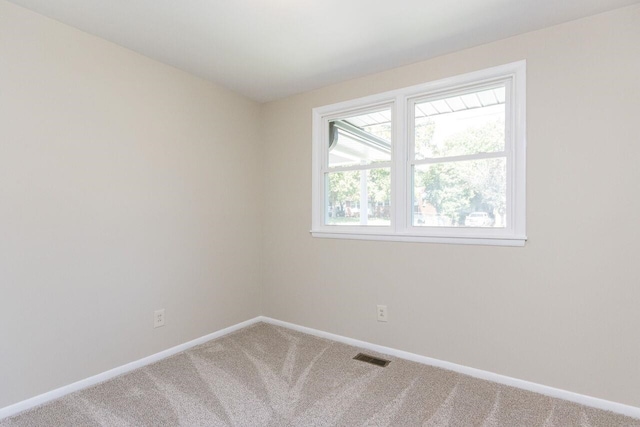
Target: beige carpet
(265, 375)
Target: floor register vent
(373, 360)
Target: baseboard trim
(594, 402)
(619, 408)
(41, 399)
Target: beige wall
(564, 310)
(125, 186)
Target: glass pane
(460, 125)
(360, 140)
(461, 194)
(359, 197)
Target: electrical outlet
(383, 314)
(158, 318)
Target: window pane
(460, 125)
(359, 197)
(461, 194)
(360, 140)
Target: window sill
(487, 241)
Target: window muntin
(357, 173)
(468, 129)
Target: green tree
(458, 188)
(343, 187)
(379, 189)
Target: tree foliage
(344, 188)
(457, 188)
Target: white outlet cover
(383, 313)
(158, 318)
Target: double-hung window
(439, 162)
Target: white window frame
(402, 102)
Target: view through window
(359, 179)
(459, 160)
(439, 162)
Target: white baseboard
(630, 411)
(594, 402)
(104, 376)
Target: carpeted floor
(266, 375)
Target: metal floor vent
(373, 360)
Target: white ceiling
(269, 49)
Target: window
(358, 173)
(438, 162)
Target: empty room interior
(208, 209)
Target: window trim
(401, 102)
